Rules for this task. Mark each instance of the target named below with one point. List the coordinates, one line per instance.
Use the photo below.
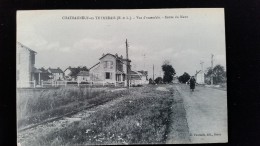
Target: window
(108, 64)
(108, 75)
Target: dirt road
(206, 113)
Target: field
(142, 116)
(35, 105)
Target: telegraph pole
(127, 64)
(201, 63)
(212, 69)
(144, 61)
(153, 72)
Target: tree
(218, 73)
(158, 80)
(184, 78)
(169, 72)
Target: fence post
(65, 83)
(103, 83)
(115, 83)
(42, 83)
(33, 83)
(78, 84)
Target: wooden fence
(75, 83)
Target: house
(138, 77)
(110, 68)
(83, 76)
(71, 73)
(200, 77)
(25, 62)
(144, 76)
(45, 75)
(56, 73)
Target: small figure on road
(192, 82)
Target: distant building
(56, 74)
(138, 77)
(200, 77)
(25, 65)
(45, 74)
(144, 75)
(83, 76)
(110, 68)
(71, 73)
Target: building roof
(144, 73)
(135, 75)
(55, 70)
(116, 56)
(23, 46)
(43, 70)
(35, 70)
(83, 73)
(76, 70)
(94, 65)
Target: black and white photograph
(121, 77)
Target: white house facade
(110, 68)
(56, 74)
(25, 65)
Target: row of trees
(218, 73)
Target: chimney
(122, 56)
(103, 54)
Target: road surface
(206, 113)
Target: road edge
(178, 129)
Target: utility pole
(127, 65)
(202, 76)
(144, 61)
(153, 72)
(212, 69)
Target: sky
(185, 38)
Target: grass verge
(141, 118)
(34, 106)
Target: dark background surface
(242, 49)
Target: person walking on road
(192, 83)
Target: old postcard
(101, 77)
